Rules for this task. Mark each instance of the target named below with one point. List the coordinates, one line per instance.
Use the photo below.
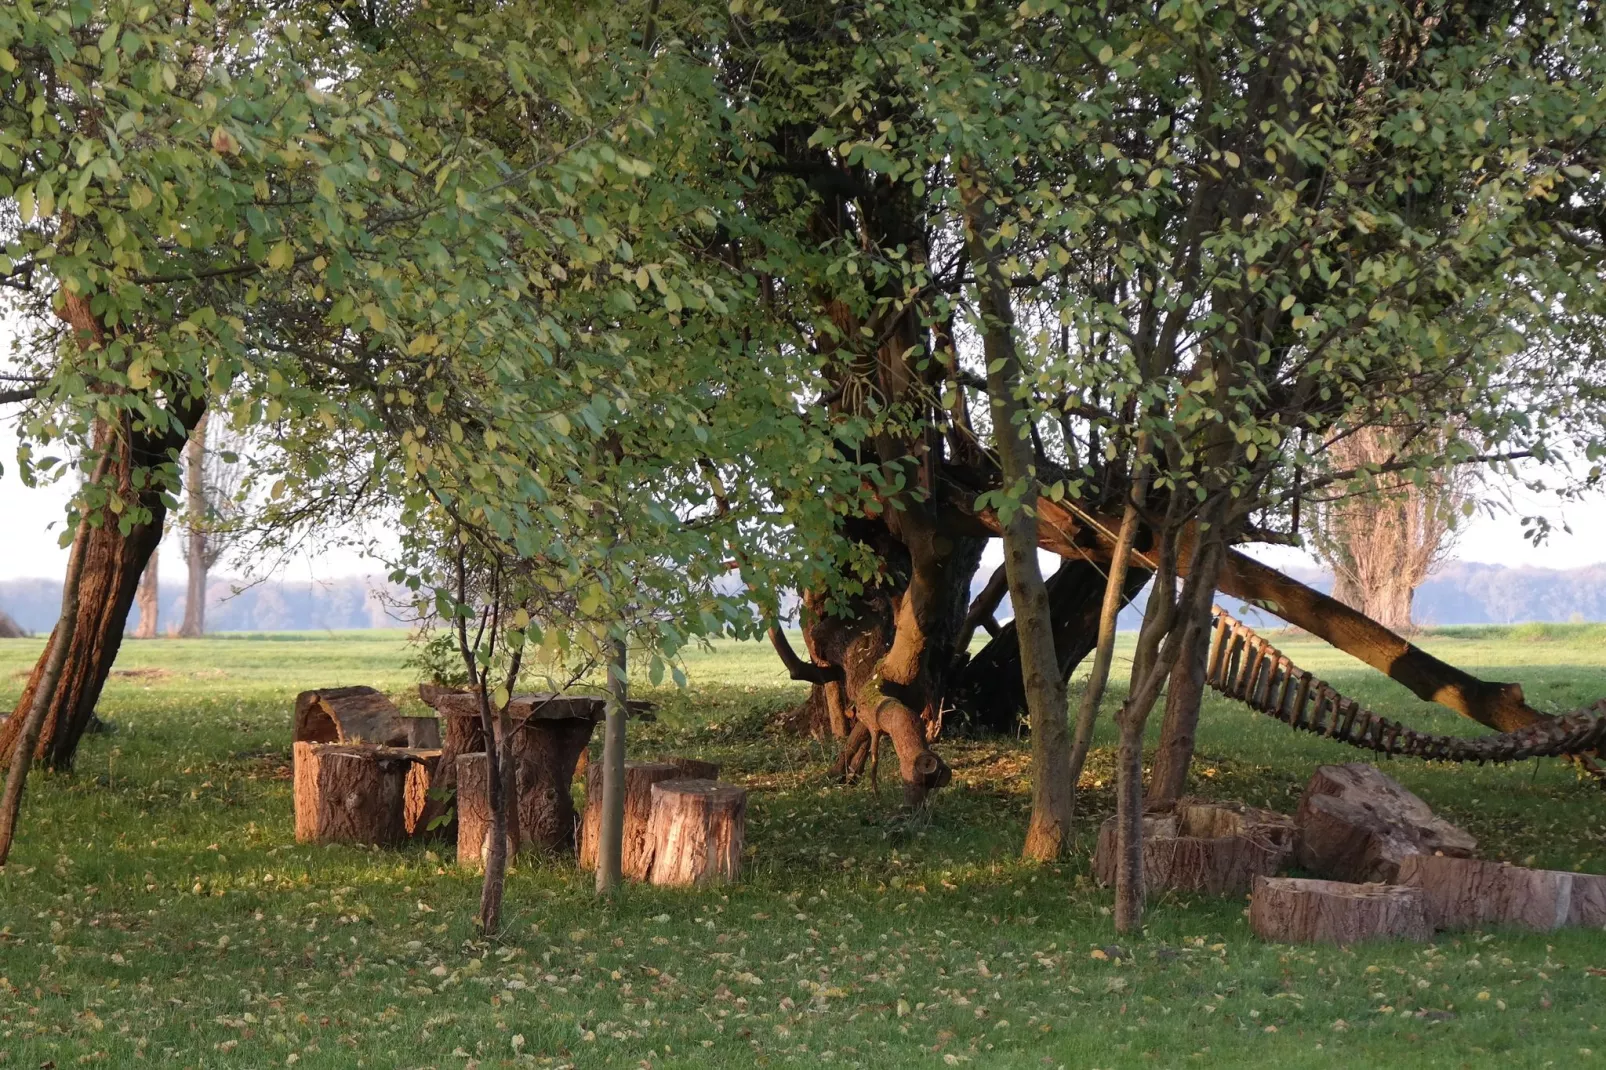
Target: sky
(28, 537)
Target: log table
(550, 733)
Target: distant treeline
(335, 605)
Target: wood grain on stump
(1296, 911)
(473, 809)
(696, 833)
(419, 807)
(1356, 824)
(547, 754)
(349, 715)
(1216, 848)
(351, 793)
(1466, 893)
(639, 779)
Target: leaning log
(1356, 824)
(1290, 910)
(350, 715)
(696, 834)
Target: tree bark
(1048, 830)
(1292, 910)
(1109, 611)
(194, 625)
(149, 597)
(611, 834)
(32, 722)
(1184, 693)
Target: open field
(158, 908)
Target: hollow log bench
(362, 792)
(550, 734)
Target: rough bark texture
(1290, 910)
(1468, 893)
(149, 598)
(473, 809)
(1357, 824)
(1214, 848)
(195, 554)
(696, 833)
(1168, 777)
(635, 854)
(419, 809)
(351, 793)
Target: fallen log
(1467, 893)
(1356, 824)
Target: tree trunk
(31, 722)
(194, 625)
(611, 834)
(149, 596)
(1109, 610)
(351, 793)
(1184, 693)
(1048, 830)
(111, 568)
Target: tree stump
(547, 752)
(1215, 848)
(1465, 893)
(1356, 824)
(349, 715)
(639, 779)
(696, 834)
(351, 793)
(419, 810)
(1292, 910)
(695, 768)
(1589, 901)
(473, 809)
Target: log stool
(696, 832)
(1465, 893)
(639, 779)
(1292, 910)
(359, 793)
(1215, 848)
(1358, 824)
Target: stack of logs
(1382, 865)
(364, 773)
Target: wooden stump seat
(1215, 848)
(634, 850)
(1468, 893)
(696, 833)
(1293, 910)
(360, 792)
(360, 715)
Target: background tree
(149, 599)
(1382, 542)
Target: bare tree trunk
(1048, 832)
(33, 722)
(148, 597)
(611, 836)
(1184, 693)
(1114, 597)
(194, 625)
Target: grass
(158, 909)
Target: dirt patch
(142, 674)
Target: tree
(149, 598)
(1381, 543)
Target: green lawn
(157, 907)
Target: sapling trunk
(611, 836)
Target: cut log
(423, 733)
(1466, 893)
(695, 768)
(1589, 901)
(1215, 848)
(349, 715)
(1364, 782)
(351, 793)
(1292, 910)
(639, 779)
(696, 833)
(1356, 824)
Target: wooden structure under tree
(1294, 910)
(1215, 848)
(696, 833)
(635, 854)
(360, 715)
(361, 792)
